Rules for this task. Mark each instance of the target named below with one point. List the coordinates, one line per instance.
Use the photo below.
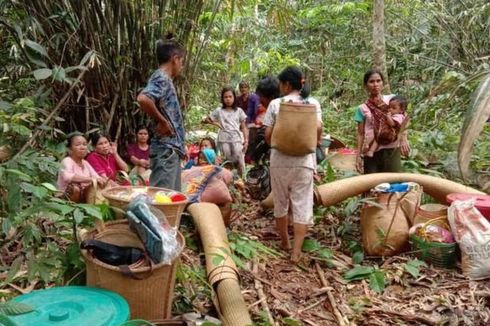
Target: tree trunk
(379, 40)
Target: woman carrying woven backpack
(292, 175)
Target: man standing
(159, 100)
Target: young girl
(231, 121)
(292, 176)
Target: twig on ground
(340, 319)
(313, 305)
(256, 303)
(321, 291)
(406, 317)
(260, 292)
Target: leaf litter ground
(295, 294)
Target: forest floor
(315, 292)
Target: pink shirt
(103, 165)
(69, 169)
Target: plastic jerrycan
(73, 306)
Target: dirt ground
(314, 292)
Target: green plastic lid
(73, 306)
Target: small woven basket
(172, 211)
(443, 255)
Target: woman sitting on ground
(104, 158)
(76, 174)
(205, 143)
(139, 152)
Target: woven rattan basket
(150, 293)
(172, 211)
(439, 254)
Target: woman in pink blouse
(76, 174)
(104, 158)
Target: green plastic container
(73, 306)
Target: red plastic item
(347, 151)
(192, 151)
(177, 197)
(482, 202)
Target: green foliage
(376, 276)
(413, 267)
(316, 250)
(245, 248)
(187, 277)
(14, 308)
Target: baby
(394, 118)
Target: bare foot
(295, 257)
(285, 245)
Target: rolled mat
(438, 188)
(221, 270)
(334, 192)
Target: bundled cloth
(158, 237)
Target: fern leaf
(14, 308)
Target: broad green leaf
(21, 175)
(42, 73)
(6, 225)
(60, 208)
(49, 186)
(217, 260)
(14, 198)
(311, 245)
(91, 210)
(325, 253)
(377, 281)
(14, 269)
(5, 105)
(6, 321)
(14, 308)
(36, 47)
(59, 73)
(358, 273)
(357, 257)
(78, 216)
(413, 267)
(40, 192)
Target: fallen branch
(482, 294)
(341, 320)
(406, 317)
(313, 305)
(321, 291)
(261, 294)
